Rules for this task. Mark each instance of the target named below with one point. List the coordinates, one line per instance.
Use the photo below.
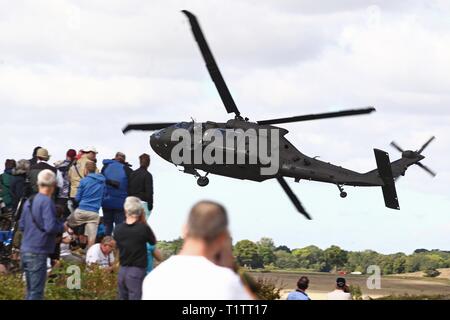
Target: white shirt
(192, 278)
(96, 255)
(339, 295)
(64, 248)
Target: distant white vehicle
(356, 272)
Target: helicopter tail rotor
(411, 155)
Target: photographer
(341, 291)
(39, 225)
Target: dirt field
(445, 274)
(321, 283)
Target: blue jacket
(91, 192)
(39, 235)
(116, 173)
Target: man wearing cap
(340, 292)
(64, 166)
(42, 157)
(76, 171)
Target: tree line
(264, 254)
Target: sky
(73, 73)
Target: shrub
(356, 292)
(96, 284)
(431, 273)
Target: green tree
(266, 249)
(310, 257)
(246, 253)
(285, 260)
(399, 265)
(283, 248)
(169, 248)
(335, 257)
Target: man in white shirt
(102, 253)
(339, 293)
(204, 267)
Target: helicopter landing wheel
(202, 181)
(343, 194)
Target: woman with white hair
(132, 237)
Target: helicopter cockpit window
(183, 125)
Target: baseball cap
(340, 282)
(71, 153)
(89, 149)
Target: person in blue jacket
(89, 197)
(116, 172)
(39, 225)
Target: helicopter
(291, 163)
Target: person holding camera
(341, 292)
(40, 225)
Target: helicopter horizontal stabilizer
(385, 173)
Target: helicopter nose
(159, 141)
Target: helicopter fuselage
(290, 161)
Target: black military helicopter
(292, 163)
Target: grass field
(321, 283)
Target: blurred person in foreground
(39, 225)
(340, 293)
(132, 237)
(204, 269)
(300, 292)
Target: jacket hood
(109, 161)
(97, 176)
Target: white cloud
(72, 73)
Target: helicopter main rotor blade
(396, 146)
(317, 116)
(147, 126)
(293, 197)
(424, 167)
(211, 65)
(426, 144)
